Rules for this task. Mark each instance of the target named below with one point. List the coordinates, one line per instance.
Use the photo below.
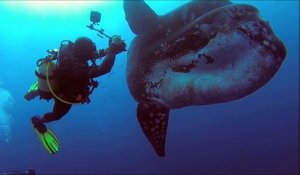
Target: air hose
(52, 92)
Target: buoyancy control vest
(68, 79)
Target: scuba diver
(66, 76)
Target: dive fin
(153, 118)
(139, 16)
(34, 86)
(49, 141)
(46, 136)
(32, 92)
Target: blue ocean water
(258, 134)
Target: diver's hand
(116, 45)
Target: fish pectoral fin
(153, 118)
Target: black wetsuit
(79, 77)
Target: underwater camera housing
(95, 17)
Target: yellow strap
(52, 92)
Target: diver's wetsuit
(60, 108)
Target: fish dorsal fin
(139, 16)
(153, 118)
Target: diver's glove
(116, 45)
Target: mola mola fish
(204, 52)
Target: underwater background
(258, 134)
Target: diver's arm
(116, 46)
(105, 67)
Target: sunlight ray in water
(56, 6)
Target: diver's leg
(59, 110)
(47, 137)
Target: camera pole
(100, 31)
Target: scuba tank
(45, 70)
(45, 74)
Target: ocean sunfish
(204, 52)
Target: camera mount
(95, 18)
